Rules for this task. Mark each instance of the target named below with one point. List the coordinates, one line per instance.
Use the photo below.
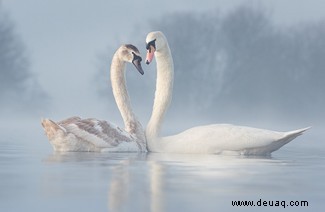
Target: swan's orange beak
(150, 54)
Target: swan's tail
(295, 133)
(51, 128)
(288, 136)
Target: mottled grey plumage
(76, 134)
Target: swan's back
(219, 138)
(76, 134)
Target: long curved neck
(132, 125)
(163, 95)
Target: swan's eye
(151, 43)
(136, 57)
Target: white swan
(216, 138)
(76, 134)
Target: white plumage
(216, 138)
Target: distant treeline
(19, 89)
(237, 64)
(240, 63)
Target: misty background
(19, 88)
(244, 62)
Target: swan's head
(155, 41)
(131, 54)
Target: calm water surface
(34, 178)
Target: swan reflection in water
(124, 187)
(133, 182)
(160, 182)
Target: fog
(19, 90)
(241, 65)
(243, 62)
(256, 63)
(237, 67)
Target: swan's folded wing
(100, 133)
(70, 120)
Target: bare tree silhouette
(242, 61)
(241, 64)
